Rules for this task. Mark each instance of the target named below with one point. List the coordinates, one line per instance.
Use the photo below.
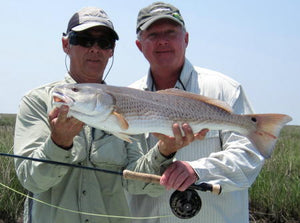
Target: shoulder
(43, 90)
(39, 98)
(215, 76)
(139, 84)
(218, 85)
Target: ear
(65, 45)
(186, 39)
(113, 50)
(139, 45)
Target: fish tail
(267, 131)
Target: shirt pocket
(109, 151)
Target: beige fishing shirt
(221, 158)
(66, 193)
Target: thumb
(53, 114)
(160, 136)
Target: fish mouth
(61, 99)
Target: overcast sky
(255, 42)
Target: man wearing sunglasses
(63, 194)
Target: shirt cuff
(159, 160)
(56, 153)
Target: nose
(95, 48)
(163, 39)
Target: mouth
(93, 60)
(163, 51)
(61, 99)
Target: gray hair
(140, 32)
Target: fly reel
(185, 204)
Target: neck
(86, 78)
(164, 79)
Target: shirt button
(86, 220)
(84, 192)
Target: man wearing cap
(223, 158)
(63, 194)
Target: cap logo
(160, 10)
(177, 16)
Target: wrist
(164, 152)
(65, 146)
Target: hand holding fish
(63, 128)
(168, 144)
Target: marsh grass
(274, 197)
(11, 204)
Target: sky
(256, 42)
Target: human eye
(171, 34)
(85, 41)
(152, 36)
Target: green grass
(11, 204)
(274, 197)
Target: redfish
(125, 111)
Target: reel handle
(152, 178)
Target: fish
(125, 111)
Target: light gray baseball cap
(90, 17)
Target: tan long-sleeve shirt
(77, 189)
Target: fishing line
(80, 212)
(112, 62)
(103, 80)
(66, 209)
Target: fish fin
(121, 120)
(267, 131)
(212, 101)
(124, 136)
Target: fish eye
(253, 119)
(74, 89)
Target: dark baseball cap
(157, 11)
(90, 17)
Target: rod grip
(152, 178)
(145, 177)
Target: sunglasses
(88, 41)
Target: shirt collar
(70, 80)
(185, 76)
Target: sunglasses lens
(104, 44)
(87, 41)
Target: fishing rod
(184, 204)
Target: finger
(188, 132)
(201, 135)
(181, 181)
(178, 135)
(63, 113)
(165, 178)
(160, 136)
(53, 114)
(74, 121)
(186, 184)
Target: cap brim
(154, 19)
(89, 25)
